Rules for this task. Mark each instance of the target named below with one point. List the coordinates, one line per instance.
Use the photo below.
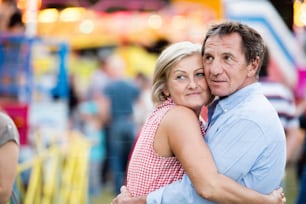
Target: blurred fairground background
(57, 56)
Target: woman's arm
(8, 169)
(187, 144)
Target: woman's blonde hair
(165, 62)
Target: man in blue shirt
(244, 133)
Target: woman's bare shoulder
(180, 116)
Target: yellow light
(299, 18)
(155, 21)
(48, 15)
(179, 22)
(87, 26)
(71, 14)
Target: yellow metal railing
(57, 175)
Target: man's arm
(125, 197)
(188, 146)
(198, 163)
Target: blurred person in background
(10, 18)
(93, 114)
(73, 101)
(9, 151)
(15, 24)
(99, 79)
(301, 163)
(144, 104)
(122, 94)
(283, 100)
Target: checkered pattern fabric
(147, 170)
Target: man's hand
(125, 198)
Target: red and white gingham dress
(147, 170)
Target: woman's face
(186, 83)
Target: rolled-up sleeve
(179, 192)
(253, 161)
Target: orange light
(22, 4)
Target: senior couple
(238, 156)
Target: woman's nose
(192, 83)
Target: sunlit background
(62, 39)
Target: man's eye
(208, 58)
(228, 58)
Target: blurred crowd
(10, 18)
(291, 110)
(110, 112)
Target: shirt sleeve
(179, 192)
(8, 130)
(254, 162)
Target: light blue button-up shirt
(248, 144)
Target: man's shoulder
(260, 111)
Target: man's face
(225, 66)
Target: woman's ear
(166, 92)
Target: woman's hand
(125, 198)
(277, 196)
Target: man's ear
(253, 67)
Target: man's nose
(216, 67)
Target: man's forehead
(223, 44)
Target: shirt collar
(236, 98)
